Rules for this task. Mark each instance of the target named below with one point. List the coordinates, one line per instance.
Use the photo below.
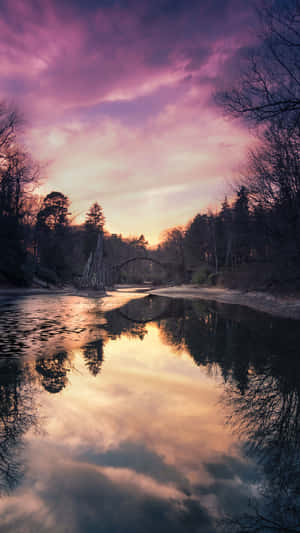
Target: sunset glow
(118, 100)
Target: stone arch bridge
(118, 267)
(99, 273)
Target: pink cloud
(109, 54)
(70, 67)
(157, 174)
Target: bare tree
(269, 84)
(172, 249)
(273, 172)
(10, 123)
(19, 174)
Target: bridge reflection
(149, 309)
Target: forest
(252, 240)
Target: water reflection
(53, 371)
(94, 355)
(259, 360)
(267, 417)
(17, 415)
(134, 404)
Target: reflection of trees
(54, 371)
(210, 338)
(238, 341)
(94, 355)
(259, 359)
(118, 322)
(17, 415)
(130, 320)
(267, 417)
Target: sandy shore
(285, 307)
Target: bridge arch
(116, 268)
(140, 258)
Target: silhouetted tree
(53, 233)
(18, 174)
(196, 239)
(172, 250)
(54, 212)
(269, 83)
(225, 234)
(241, 226)
(94, 222)
(267, 91)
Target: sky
(118, 101)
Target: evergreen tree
(241, 226)
(224, 233)
(94, 223)
(196, 239)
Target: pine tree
(241, 226)
(94, 223)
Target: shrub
(47, 275)
(212, 278)
(201, 276)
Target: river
(137, 413)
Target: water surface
(152, 414)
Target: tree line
(261, 223)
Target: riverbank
(32, 291)
(110, 299)
(282, 306)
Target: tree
(261, 230)
(140, 243)
(10, 122)
(273, 170)
(269, 85)
(224, 233)
(196, 238)
(268, 92)
(212, 240)
(241, 226)
(95, 217)
(137, 271)
(54, 212)
(173, 250)
(94, 223)
(273, 182)
(53, 233)
(18, 176)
